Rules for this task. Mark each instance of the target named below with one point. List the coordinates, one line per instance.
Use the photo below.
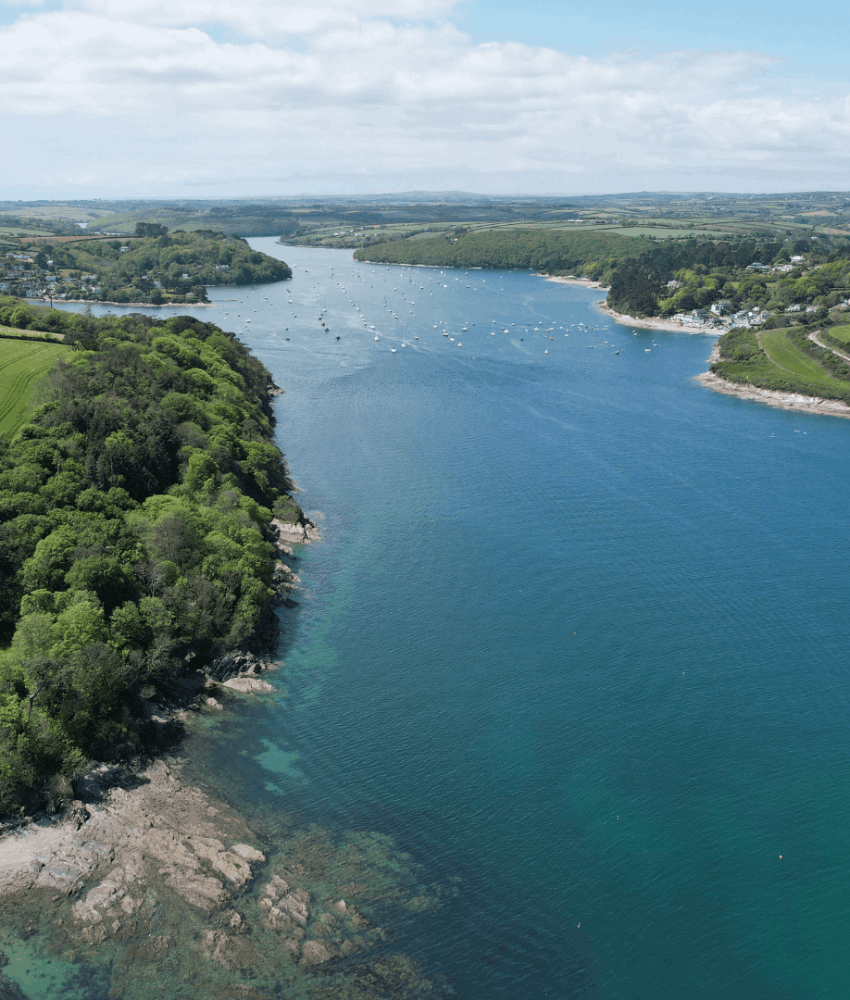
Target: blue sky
(814, 45)
(159, 98)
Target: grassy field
(791, 360)
(22, 365)
(841, 333)
(12, 331)
(336, 235)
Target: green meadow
(22, 365)
(787, 356)
(784, 360)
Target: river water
(575, 637)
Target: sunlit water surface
(575, 636)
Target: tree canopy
(158, 266)
(133, 535)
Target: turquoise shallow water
(575, 636)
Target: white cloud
(345, 91)
(263, 18)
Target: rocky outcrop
(299, 532)
(283, 577)
(155, 833)
(238, 664)
(157, 883)
(248, 685)
(312, 932)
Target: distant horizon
(426, 194)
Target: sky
(227, 98)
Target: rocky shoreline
(238, 671)
(175, 892)
(163, 888)
(781, 399)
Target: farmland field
(790, 359)
(22, 364)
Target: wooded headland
(154, 268)
(134, 538)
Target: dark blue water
(576, 635)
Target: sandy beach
(656, 323)
(584, 282)
(652, 323)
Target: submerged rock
(9, 989)
(154, 892)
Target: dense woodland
(652, 277)
(133, 536)
(674, 276)
(592, 253)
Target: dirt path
(815, 338)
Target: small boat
(392, 350)
(376, 338)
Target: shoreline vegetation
(787, 399)
(644, 323)
(144, 510)
(32, 300)
(148, 532)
